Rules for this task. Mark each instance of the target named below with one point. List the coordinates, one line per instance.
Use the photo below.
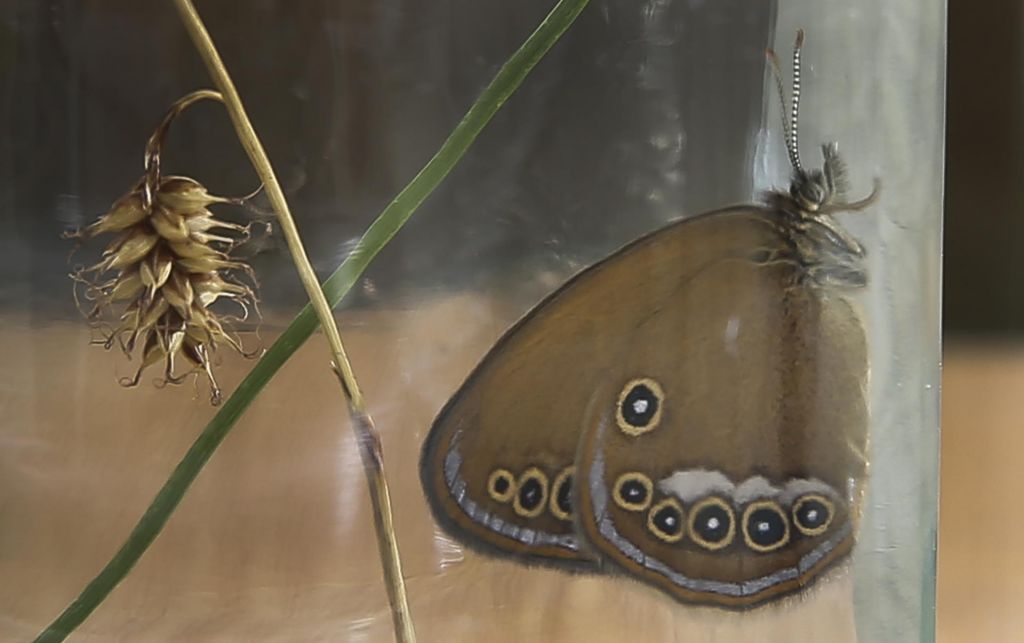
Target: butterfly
(690, 411)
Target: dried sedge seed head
(185, 195)
(167, 264)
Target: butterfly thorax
(831, 256)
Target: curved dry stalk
(366, 434)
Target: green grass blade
(337, 285)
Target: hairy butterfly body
(690, 411)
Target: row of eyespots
(712, 521)
(529, 493)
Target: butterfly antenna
(789, 118)
(793, 137)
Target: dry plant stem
(373, 464)
(366, 435)
(250, 141)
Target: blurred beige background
(274, 542)
(981, 564)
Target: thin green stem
(340, 282)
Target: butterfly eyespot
(765, 526)
(665, 520)
(812, 514)
(633, 491)
(501, 485)
(531, 493)
(561, 494)
(639, 406)
(712, 523)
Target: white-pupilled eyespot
(639, 406)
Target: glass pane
(641, 114)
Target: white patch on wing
(692, 485)
(695, 484)
(754, 488)
(732, 332)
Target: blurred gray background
(646, 109)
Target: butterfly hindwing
(724, 460)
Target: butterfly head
(813, 192)
(816, 190)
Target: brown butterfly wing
(497, 459)
(737, 478)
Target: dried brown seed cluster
(167, 265)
